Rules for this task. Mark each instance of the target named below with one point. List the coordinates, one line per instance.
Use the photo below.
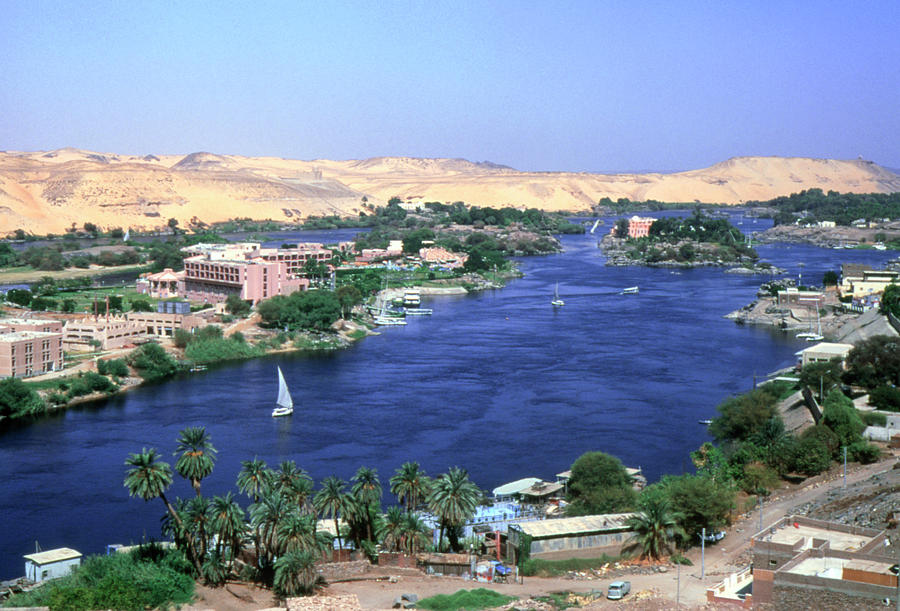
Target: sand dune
(51, 191)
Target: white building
(51, 564)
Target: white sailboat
(594, 228)
(631, 290)
(557, 302)
(284, 403)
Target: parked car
(618, 589)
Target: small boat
(418, 311)
(631, 290)
(706, 422)
(411, 297)
(284, 405)
(594, 228)
(557, 302)
(385, 319)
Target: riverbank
(682, 254)
(827, 237)
(30, 275)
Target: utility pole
(845, 467)
(703, 553)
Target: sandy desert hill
(45, 192)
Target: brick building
(27, 353)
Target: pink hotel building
(639, 227)
(212, 272)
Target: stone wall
(336, 571)
(789, 597)
(392, 559)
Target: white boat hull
(282, 411)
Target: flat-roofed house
(51, 564)
(824, 352)
(581, 537)
(27, 353)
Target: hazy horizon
(580, 87)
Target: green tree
(295, 573)
(149, 478)
(228, 524)
(822, 375)
(703, 502)
(743, 415)
(17, 399)
(890, 300)
(331, 500)
(830, 278)
(415, 534)
(599, 484)
(68, 306)
(410, 484)
(874, 361)
(367, 492)
(655, 528)
(293, 482)
(141, 305)
(198, 456)
(453, 500)
(841, 416)
(152, 362)
(621, 228)
(237, 306)
(348, 296)
(390, 531)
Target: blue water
(499, 383)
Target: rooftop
(27, 321)
(54, 555)
(18, 336)
(515, 487)
(573, 526)
(837, 539)
(829, 348)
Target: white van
(618, 589)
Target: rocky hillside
(49, 191)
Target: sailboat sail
(284, 395)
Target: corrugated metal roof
(541, 489)
(540, 529)
(515, 487)
(54, 555)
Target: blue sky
(580, 86)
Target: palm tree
(148, 478)
(228, 523)
(410, 484)
(197, 516)
(391, 531)
(655, 529)
(295, 573)
(453, 500)
(198, 456)
(297, 532)
(293, 482)
(253, 477)
(331, 500)
(265, 517)
(367, 491)
(414, 533)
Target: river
(498, 382)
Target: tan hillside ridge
(45, 192)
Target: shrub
(886, 398)
(112, 367)
(90, 382)
(873, 419)
(182, 337)
(17, 399)
(119, 581)
(864, 452)
(471, 600)
(220, 349)
(152, 362)
(814, 451)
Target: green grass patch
(470, 600)
(554, 568)
(357, 334)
